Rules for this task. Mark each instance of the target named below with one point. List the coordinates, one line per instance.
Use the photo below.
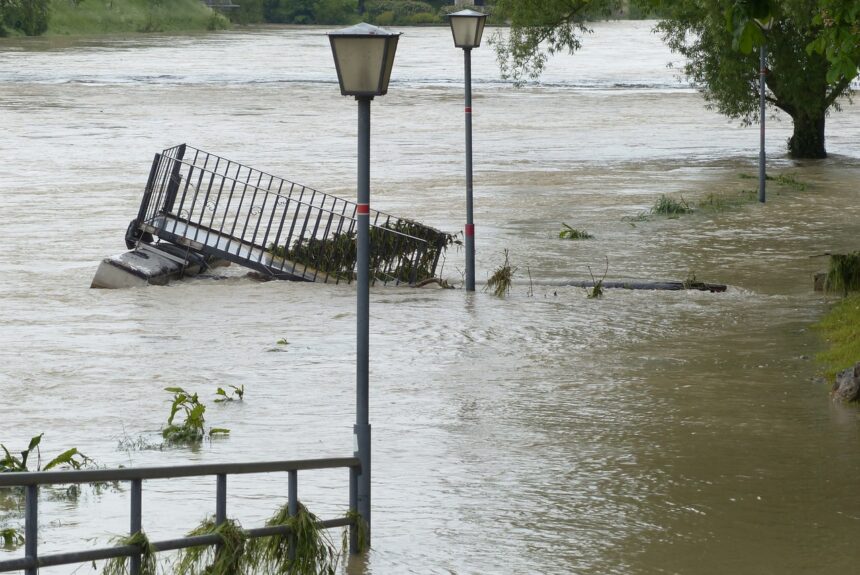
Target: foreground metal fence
(30, 481)
(231, 211)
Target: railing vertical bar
(206, 201)
(271, 219)
(305, 226)
(196, 195)
(31, 526)
(341, 255)
(178, 211)
(241, 201)
(293, 506)
(281, 226)
(136, 521)
(353, 508)
(314, 235)
(266, 195)
(221, 499)
(161, 177)
(352, 223)
(289, 241)
(235, 180)
(220, 193)
(251, 210)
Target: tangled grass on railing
(314, 551)
(148, 563)
(401, 251)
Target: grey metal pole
(31, 526)
(362, 408)
(136, 522)
(470, 223)
(761, 155)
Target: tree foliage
(718, 39)
(813, 51)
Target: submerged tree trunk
(807, 141)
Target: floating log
(646, 285)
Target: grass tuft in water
(844, 273)
(721, 202)
(569, 233)
(11, 538)
(500, 281)
(671, 207)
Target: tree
(718, 39)
(813, 52)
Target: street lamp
(363, 56)
(467, 26)
(765, 26)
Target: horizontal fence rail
(228, 210)
(31, 481)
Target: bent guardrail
(227, 210)
(30, 481)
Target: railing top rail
(190, 149)
(169, 472)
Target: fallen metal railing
(30, 481)
(221, 208)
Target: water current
(644, 432)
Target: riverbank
(64, 18)
(132, 16)
(841, 329)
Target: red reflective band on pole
(470, 230)
(363, 209)
(468, 110)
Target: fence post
(173, 183)
(136, 522)
(353, 508)
(31, 526)
(221, 499)
(293, 507)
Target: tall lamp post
(765, 26)
(363, 56)
(467, 26)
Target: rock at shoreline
(847, 386)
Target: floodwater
(644, 432)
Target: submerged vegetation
(569, 233)
(500, 281)
(844, 273)
(841, 329)
(70, 458)
(400, 251)
(190, 427)
(305, 550)
(671, 207)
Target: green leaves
(570, 233)
(71, 458)
(187, 406)
(236, 393)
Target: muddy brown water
(645, 432)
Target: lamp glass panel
(464, 29)
(360, 63)
(389, 63)
(479, 31)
